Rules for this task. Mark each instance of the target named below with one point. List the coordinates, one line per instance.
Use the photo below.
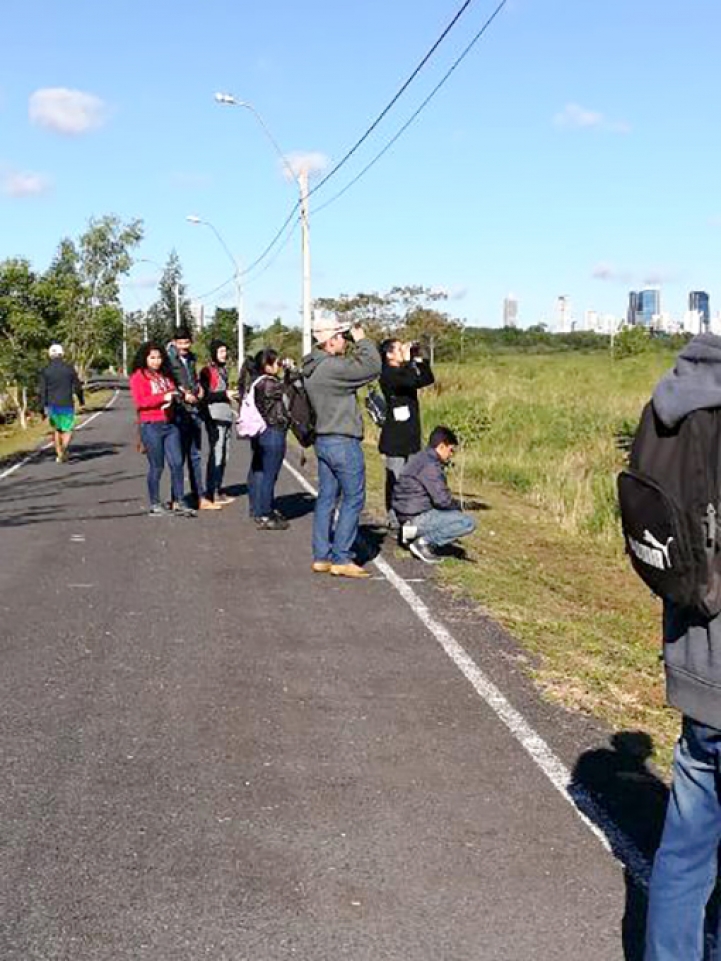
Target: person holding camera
(156, 396)
(188, 419)
(332, 381)
(404, 373)
(218, 412)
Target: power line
(359, 142)
(395, 98)
(420, 109)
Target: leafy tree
(172, 303)
(85, 277)
(288, 341)
(25, 329)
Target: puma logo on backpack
(669, 499)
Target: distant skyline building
(644, 307)
(197, 311)
(510, 311)
(699, 302)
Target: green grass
(547, 560)
(14, 441)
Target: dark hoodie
(692, 645)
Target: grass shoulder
(16, 442)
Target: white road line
(581, 801)
(38, 450)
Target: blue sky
(575, 150)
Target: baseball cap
(56, 350)
(327, 325)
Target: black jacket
(58, 383)
(185, 375)
(401, 433)
(422, 487)
(270, 401)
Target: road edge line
(48, 444)
(611, 836)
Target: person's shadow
(627, 792)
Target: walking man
(404, 373)
(685, 870)
(332, 381)
(59, 384)
(188, 419)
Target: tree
(224, 326)
(172, 304)
(86, 278)
(25, 312)
(288, 341)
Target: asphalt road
(209, 752)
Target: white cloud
(145, 282)
(576, 117)
(66, 111)
(313, 162)
(650, 277)
(24, 183)
(271, 306)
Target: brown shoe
(348, 570)
(206, 505)
(322, 567)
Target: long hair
(140, 361)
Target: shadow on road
(634, 797)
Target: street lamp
(301, 180)
(193, 219)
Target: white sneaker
(409, 532)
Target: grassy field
(14, 441)
(547, 560)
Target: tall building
(510, 311)
(644, 307)
(198, 313)
(698, 301)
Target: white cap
(56, 350)
(327, 325)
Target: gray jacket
(422, 486)
(332, 383)
(692, 645)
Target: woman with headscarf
(218, 419)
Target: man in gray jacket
(332, 381)
(423, 502)
(686, 865)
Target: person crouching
(423, 502)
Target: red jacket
(149, 390)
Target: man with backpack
(404, 373)
(669, 499)
(332, 381)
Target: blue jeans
(191, 442)
(341, 476)
(686, 865)
(443, 527)
(162, 443)
(218, 436)
(268, 453)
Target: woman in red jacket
(154, 393)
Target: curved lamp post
(193, 219)
(301, 179)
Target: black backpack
(377, 407)
(669, 500)
(300, 412)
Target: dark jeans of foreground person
(686, 865)
(191, 440)
(443, 527)
(268, 453)
(218, 437)
(341, 474)
(162, 443)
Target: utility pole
(176, 289)
(305, 228)
(241, 323)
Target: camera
(415, 350)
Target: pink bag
(250, 423)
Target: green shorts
(62, 418)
